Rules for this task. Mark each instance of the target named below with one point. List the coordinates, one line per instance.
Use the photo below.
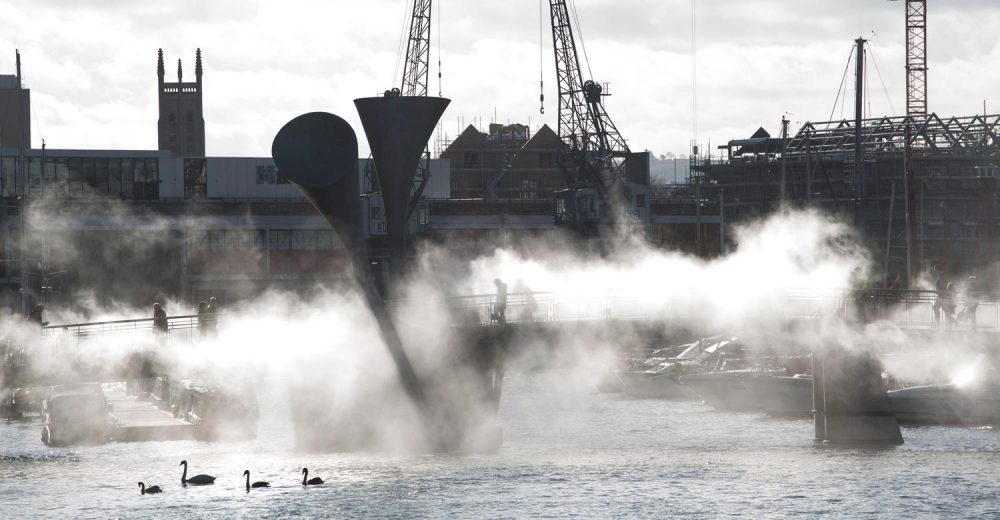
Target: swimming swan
(197, 480)
(258, 484)
(312, 481)
(151, 489)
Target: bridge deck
(139, 420)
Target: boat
(783, 395)
(74, 414)
(659, 374)
(947, 404)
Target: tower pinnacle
(197, 65)
(159, 65)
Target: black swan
(197, 480)
(258, 484)
(312, 481)
(151, 489)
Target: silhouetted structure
(181, 123)
(15, 112)
(953, 184)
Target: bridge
(534, 313)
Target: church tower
(181, 125)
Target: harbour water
(569, 451)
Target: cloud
(91, 64)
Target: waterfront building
(136, 226)
(951, 192)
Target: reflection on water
(568, 451)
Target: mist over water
(565, 445)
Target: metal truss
(979, 134)
(584, 126)
(418, 51)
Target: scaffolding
(978, 134)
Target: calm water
(568, 451)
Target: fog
(779, 291)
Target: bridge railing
(186, 325)
(905, 308)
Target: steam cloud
(327, 349)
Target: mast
(859, 81)
(21, 189)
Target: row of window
(474, 160)
(131, 178)
(254, 240)
(268, 174)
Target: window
(545, 160)
(49, 175)
(195, 178)
(471, 160)
(152, 179)
(266, 174)
(139, 171)
(640, 200)
(529, 189)
(128, 179)
(101, 176)
(9, 172)
(75, 176)
(115, 177)
(303, 239)
(35, 174)
(62, 176)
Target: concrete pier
(138, 420)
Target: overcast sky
(91, 64)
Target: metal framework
(416, 69)
(584, 125)
(916, 57)
(978, 134)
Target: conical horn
(398, 128)
(318, 153)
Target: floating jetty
(153, 409)
(136, 419)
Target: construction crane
(416, 68)
(916, 57)
(595, 157)
(416, 71)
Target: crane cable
(541, 58)
(885, 89)
(580, 39)
(840, 88)
(401, 47)
(439, 47)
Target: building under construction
(943, 212)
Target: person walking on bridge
(949, 302)
(160, 323)
(500, 307)
(939, 289)
(202, 317)
(973, 295)
(212, 316)
(35, 316)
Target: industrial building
(950, 191)
(134, 226)
(173, 223)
